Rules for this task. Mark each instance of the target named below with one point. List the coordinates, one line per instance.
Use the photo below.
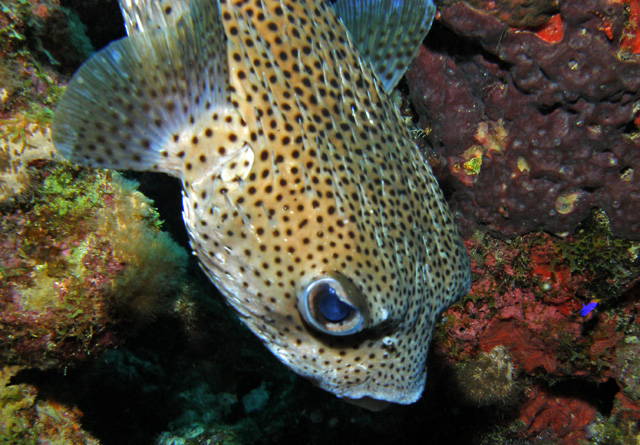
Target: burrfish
(306, 200)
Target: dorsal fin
(388, 33)
(127, 107)
(145, 15)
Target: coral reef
(534, 107)
(83, 255)
(29, 83)
(529, 139)
(547, 416)
(38, 40)
(526, 299)
(489, 379)
(26, 420)
(43, 30)
(20, 147)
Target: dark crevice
(630, 128)
(442, 40)
(546, 110)
(600, 395)
(165, 191)
(102, 18)
(625, 170)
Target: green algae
(84, 253)
(26, 419)
(72, 192)
(610, 263)
(490, 379)
(614, 430)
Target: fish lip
(376, 400)
(368, 403)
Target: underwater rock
(44, 30)
(625, 366)
(551, 418)
(22, 144)
(489, 379)
(526, 298)
(79, 262)
(536, 125)
(26, 418)
(519, 13)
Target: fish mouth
(378, 400)
(368, 403)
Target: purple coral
(534, 134)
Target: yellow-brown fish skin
(309, 173)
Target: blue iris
(332, 308)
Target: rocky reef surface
(528, 112)
(550, 331)
(534, 109)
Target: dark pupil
(331, 307)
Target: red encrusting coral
(552, 417)
(527, 295)
(630, 40)
(550, 32)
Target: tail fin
(127, 106)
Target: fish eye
(332, 306)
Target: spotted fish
(306, 200)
